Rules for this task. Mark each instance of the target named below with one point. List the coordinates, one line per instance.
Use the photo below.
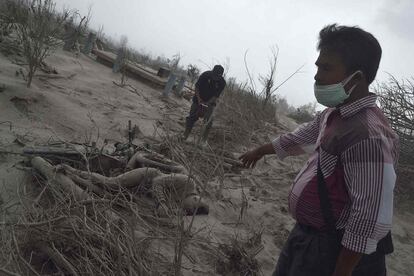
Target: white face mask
(334, 94)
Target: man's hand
(197, 93)
(249, 159)
(213, 101)
(202, 108)
(346, 262)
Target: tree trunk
(30, 77)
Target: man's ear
(360, 76)
(361, 79)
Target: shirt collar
(354, 107)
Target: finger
(246, 160)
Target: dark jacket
(209, 85)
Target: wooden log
(50, 151)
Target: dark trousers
(308, 252)
(194, 116)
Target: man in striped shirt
(347, 184)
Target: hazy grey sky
(206, 32)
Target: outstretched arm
(300, 141)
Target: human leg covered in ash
(168, 190)
(179, 191)
(176, 189)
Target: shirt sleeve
(300, 141)
(370, 178)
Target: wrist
(261, 151)
(346, 262)
(265, 149)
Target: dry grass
(396, 98)
(58, 233)
(404, 188)
(397, 102)
(244, 116)
(207, 164)
(239, 256)
(37, 25)
(110, 233)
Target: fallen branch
(57, 258)
(44, 151)
(55, 77)
(5, 271)
(34, 224)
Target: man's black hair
(358, 49)
(218, 70)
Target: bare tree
(76, 28)
(37, 25)
(268, 80)
(175, 61)
(252, 84)
(123, 56)
(6, 18)
(396, 99)
(100, 34)
(193, 73)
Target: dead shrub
(243, 114)
(304, 113)
(36, 24)
(58, 232)
(396, 100)
(239, 256)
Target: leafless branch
(396, 99)
(251, 80)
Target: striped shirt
(358, 152)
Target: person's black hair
(358, 49)
(218, 70)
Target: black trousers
(193, 116)
(308, 252)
